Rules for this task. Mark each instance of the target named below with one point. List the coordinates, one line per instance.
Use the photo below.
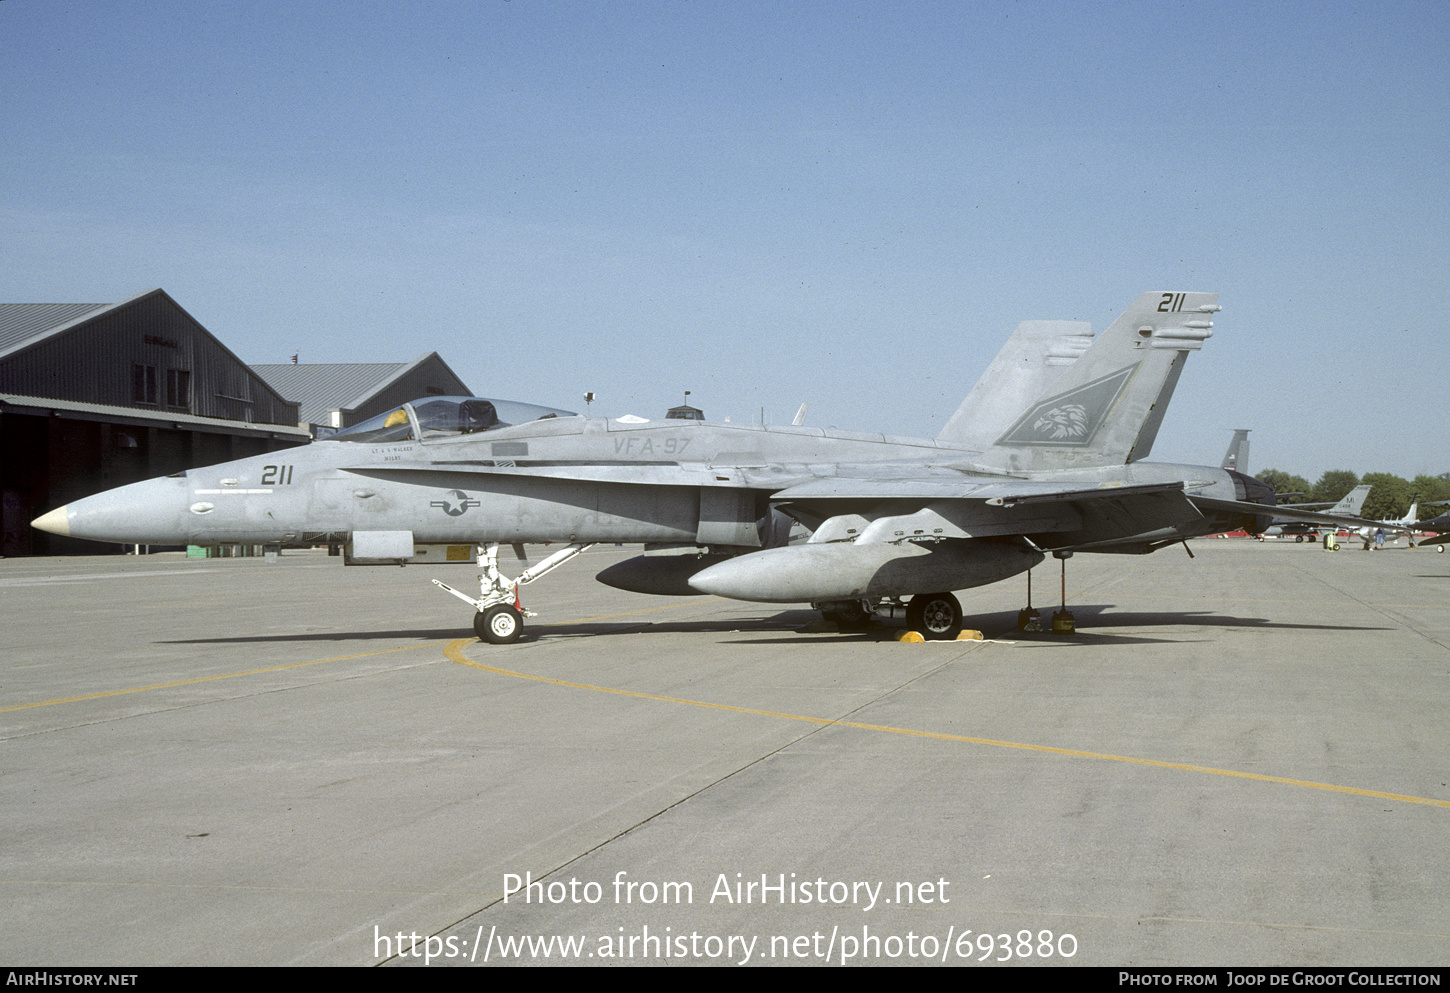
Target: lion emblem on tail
(1066, 421)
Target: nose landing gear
(500, 624)
(499, 617)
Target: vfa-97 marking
(648, 446)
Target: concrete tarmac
(1237, 760)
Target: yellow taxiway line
(454, 652)
(210, 679)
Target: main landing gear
(1028, 619)
(935, 616)
(499, 614)
(850, 615)
(938, 616)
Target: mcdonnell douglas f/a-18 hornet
(1044, 456)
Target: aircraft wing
(877, 480)
(867, 502)
(989, 491)
(797, 484)
(1283, 513)
(933, 531)
(871, 509)
(638, 473)
(884, 501)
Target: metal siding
(93, 362)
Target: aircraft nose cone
(56, 522)
(147, 513)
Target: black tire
(499, 625)
(853, 617)
(935, 616)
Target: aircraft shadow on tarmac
(425, 634)
(1100, 616)
(774, 622)
(1093, 620)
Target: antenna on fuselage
(588, 399)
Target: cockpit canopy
(441, 417)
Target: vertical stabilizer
(1237, 456)
(1106, 409)
(1035, 355)
(1413, 515)
(1351, 502)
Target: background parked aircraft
(1348, 506)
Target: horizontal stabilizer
(1281, 513)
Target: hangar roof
(318, 389)
(23, 324)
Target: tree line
(1388, 498)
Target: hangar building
(334, 396)
(97, 395)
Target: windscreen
(392, 426)
(438, 417)
(442, 416)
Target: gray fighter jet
(1045, 457)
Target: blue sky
(850, 205)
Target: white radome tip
(56, 522)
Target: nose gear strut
(499, 614)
